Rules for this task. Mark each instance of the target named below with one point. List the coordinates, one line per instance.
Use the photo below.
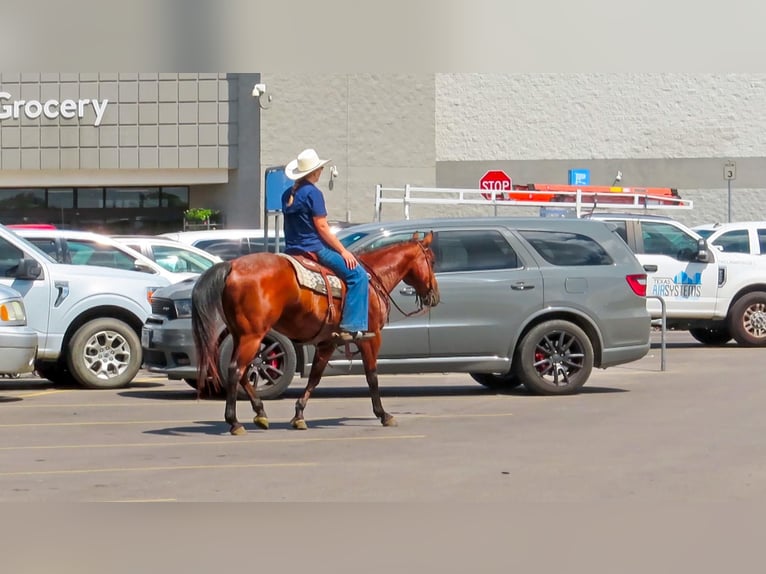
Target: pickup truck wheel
(747, 320)
(104, 354)
(504, 382)
(711, 336)
(275, 365)
(554, 358)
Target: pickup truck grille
(164, 307)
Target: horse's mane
(369, 256)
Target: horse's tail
(207, 307)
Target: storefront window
(22, 198)
(132, 197)
(90, 197)
(175, 197)
(61, 198)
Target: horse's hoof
(299, 424)
(238, 430)
(390, 422)
(261, 422)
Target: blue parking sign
(579, 177)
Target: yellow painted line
(187, 421)
(94, 423)
(41, 393)
(145, 500)
(156, 468)
(457, 416)
(216, 442)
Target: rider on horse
(308, 233)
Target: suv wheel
(554, 358)
(747, 320)
(711, 336)
(504, 382)
(275, 366)
(104, 354)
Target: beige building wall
(376, 128)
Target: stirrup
(351, 336)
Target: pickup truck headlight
(183, 308)
(12, 312)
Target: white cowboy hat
(306, 162)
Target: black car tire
(100, 342)
(718, 336)
(278, 364)
(504, 382)
(747, 320)
(571, 350)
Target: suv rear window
(567, 249)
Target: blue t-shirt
(300, 233)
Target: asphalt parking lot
(692, 432)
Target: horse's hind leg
(322, 354)
(248, 347)
(230, 413)
(369, 350)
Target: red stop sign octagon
(496, 180)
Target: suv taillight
(637, 283)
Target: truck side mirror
(703, 255)
(28, 269)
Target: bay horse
(257, 292)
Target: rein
(385, 296)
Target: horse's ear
(428, 238)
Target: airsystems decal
(51, 109)
(682, 285)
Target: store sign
(51, 109)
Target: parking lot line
(217, 442)
(158, 468)
(41, 393)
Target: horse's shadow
(222, 428)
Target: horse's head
(420, 275)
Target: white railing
(578, 200)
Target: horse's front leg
(230, 414)
(322, 354)
(369, 350)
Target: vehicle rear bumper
(621, 355)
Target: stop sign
(497, 180)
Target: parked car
(18, 342)
(227, 243)
(519, 296)
(172, 255)
(739, 237)
(87, 319)
(87, 248)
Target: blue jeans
(355, 308)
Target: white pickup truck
(88, 319)
(716, 295)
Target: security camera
(618, 177)
(259, 89)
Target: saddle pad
(312, 279)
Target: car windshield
(179, 260)
(705, 233)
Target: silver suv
(538, 302)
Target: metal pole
(729, 203)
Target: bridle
(377, 284)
